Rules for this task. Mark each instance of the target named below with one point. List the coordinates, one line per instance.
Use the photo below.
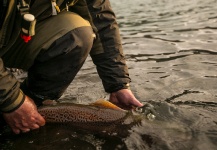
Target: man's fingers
(35, 126)
(19, 128)
(25, 130)
(25, 126)
(24, 123)
(25, 118)
(136, 103)
(14, 129)
(40, 121)
(18, 125)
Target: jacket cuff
(15, 104)
(117, 88)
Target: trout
(100, 116)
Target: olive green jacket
(107, 52)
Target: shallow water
(171, 51)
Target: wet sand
(171, 51)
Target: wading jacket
(107, 53)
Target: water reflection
(171, 49)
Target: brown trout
(101, 116)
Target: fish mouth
(147, 110)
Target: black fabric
(55, 69)
(3, 9)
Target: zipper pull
(55, 7)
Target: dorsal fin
(106, 104)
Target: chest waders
(54, 55)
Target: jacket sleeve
(107, 52)
(11, 97)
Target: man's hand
(125, 99)
(25, 118)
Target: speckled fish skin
(64, 113)
(89, 117)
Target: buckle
(23, 7)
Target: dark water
(171, 51)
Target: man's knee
(81, 31)
(77, 42)
(64, 23)
(47, 77)
(71, 20)
(77, 33)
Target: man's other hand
(124, 99)
(25, 118)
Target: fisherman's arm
(107, 54)
(18, 110)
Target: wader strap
(23, 7)
(69, 4)
(55, 7)
(72, 3)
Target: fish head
(147, 110)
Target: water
(171, 49)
